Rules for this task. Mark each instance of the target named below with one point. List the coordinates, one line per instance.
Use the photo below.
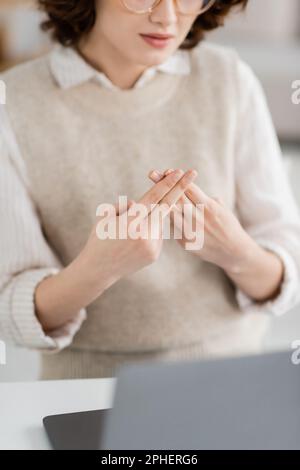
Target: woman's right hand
(113, 258)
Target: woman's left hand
(225, 242)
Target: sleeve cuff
(289, 294)
(27, 329)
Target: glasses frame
(157, 2)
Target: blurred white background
(268, 38)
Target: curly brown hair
(69, 20)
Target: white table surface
(23, 406)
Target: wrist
(245, 256)
(94, 277)
(261, 274)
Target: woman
(85, 124)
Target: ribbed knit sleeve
(266, 204)
(26, 259)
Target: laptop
(247, 403)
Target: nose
(164, 13)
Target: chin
(155, 57)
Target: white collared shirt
(18, 282)
(70, 69)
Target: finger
(177, 221)
(160, 190)
(183, 201)
(193, 193)
(123, 206)
(178, 212)
(219, 201)
(157, 176)
(188, 207)
(171, 198)
(196, 195)
(182, 198)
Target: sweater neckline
(134, 101)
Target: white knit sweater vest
(87, 145)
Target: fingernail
(178, 173)
(155, 175)
(192, 173)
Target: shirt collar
(70, 69)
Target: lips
(157, 41)
(159, 36)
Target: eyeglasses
(185, 7)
